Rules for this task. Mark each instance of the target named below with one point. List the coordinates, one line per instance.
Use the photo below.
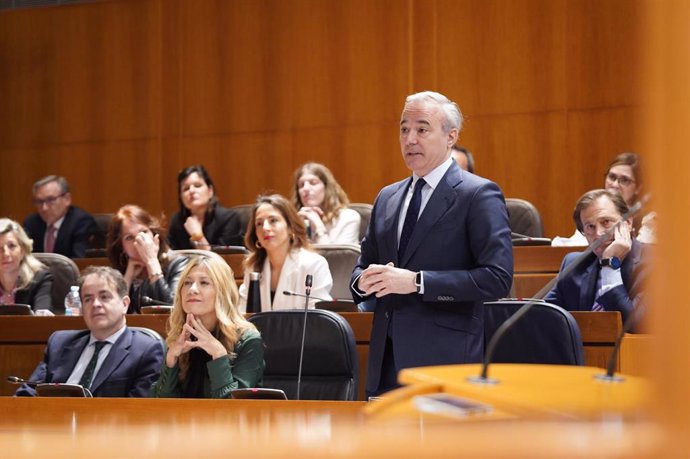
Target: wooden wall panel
(120, 95)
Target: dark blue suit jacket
(73, 237)
(133, 364)
(577, 292)
(462, 243)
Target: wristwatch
(613, 262)
(418, 281)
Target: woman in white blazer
(279, 250)
(322, 202)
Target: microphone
(289, 293)
(509, 323)
(18, 380)
(307, 289)
(152, 301)
(611, 364)
(44, 389)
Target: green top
(223, 375)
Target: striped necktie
(87, 377)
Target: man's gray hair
(453, 115)
(61, 181)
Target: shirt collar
(58, 223)
(434, 177)
(110, 339)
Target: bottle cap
(253, 276)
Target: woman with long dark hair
(201, 221)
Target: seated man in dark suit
(610, 279)
(58, 227)
(109, 359)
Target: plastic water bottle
(73, 302)
(254, 294)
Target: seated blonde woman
(279, 250)
(212, 349)
(322, 202)
(23, 279)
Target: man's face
(104, 310)
(423, 143)
(598, 218)
(51, 203)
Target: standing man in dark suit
(58, 227)
(610, 279)
(437, 246)
(109, 359)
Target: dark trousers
(389, 373)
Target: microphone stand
(483, 378)
(307, 289)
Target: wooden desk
(22, 339)
(158, 428)
(234, 260)
(535, 266)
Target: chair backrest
(342, 259)
(152, 333)
(245, 213)
(65, 274)
(364, 210)
(98, 238)
(546, 334)
(330, 370)
(524, 218)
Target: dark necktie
(50, 239)
(86, 378)
(411, 217)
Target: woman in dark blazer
(201, 221)
(23, 279)
(137, 247)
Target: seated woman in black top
(201, 221)
(138, 249)
(23, 279)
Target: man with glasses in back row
(58, 226)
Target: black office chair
(97, 241)
(546, 334)
(342, 259)
(150, 333)
(245, 213)
(330, 370)
(525, 219)
(65, 274)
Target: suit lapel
(389, 251)
(442, 198)
(69, 357)
(588, 290)
(117, 354)
(65, 230)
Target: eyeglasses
(47, 201)
(621, 179)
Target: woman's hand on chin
(204, 338)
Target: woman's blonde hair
(231, 324)
(29, 265)
(334, 199)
